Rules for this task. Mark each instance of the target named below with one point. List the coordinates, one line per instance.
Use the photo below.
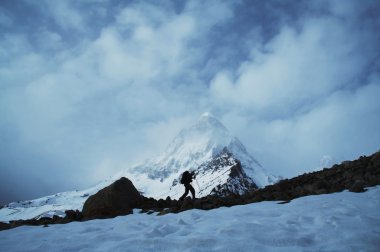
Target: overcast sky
(90, 87)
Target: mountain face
(220, 161)
(223, 175)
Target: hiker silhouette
(186, 179)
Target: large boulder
(119, 198)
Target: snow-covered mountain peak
(199, 144)
(192, 146)
(209, 122)
(207, 134)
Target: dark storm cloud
(92, 87)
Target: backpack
(186, 177)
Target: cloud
(5, 18)
(308, 92)
(70, 15)
(295, 69)
(337, 127)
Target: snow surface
(333, 222)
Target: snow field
(334, 222)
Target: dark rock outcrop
(73, 215)
(349, 175)
(119, 198)
(4, 226)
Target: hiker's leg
(186, 192)
(191, 188)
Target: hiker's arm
(193, 174)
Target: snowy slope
(192, 148)
(334, 222)
(49, 205)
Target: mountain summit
(219, 159)
(190, 148)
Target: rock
(41, 221)
(187, 204)
(357, 187)
(4, 226)
(70, 214)
(321, 184)
(55, 218)
(33, 222)
(174, 203)
(198, 203)
(147, 204)
(257, 197)
(280, 196)
(210, 202)
(161, 203)
(375, 160)
(16, 223)
(231, 200)
(321, 191)
(119, 198)
(79, 215)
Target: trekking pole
(197, 184)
